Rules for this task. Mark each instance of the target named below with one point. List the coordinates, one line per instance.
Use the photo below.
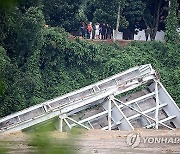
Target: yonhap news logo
(134, 139)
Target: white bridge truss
(99, 106)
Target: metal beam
(161, 121)
(77, 123)
(67, 123)
(157, 105)
(109, 115)
(143, 114)
(91, 118)
(112, 126)
(61, 123)
(139, 99)
(124, 117)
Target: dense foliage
(38, 63)
(171, 35)
(63, 13)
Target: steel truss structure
(102, 106)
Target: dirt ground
(94, 141)
(122, 43)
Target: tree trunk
(117, 25)
(153, 26)
(156, 21)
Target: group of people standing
(96, 31)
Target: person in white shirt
(97, 31)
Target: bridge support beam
(109, 114)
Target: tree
(142, 14)
(107, 12)
(23, 42)
(154, 16)
(171, 35)
(63, 13)
(29, 33)
(89, 9)
(4, 61)
(133, 12)
(6, 4)
(24, 5)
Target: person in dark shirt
(108, 33)
(147, 32)
(83, 29)
(103, 31)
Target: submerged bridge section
(113, 103)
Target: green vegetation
(38, 63)
(43, 143)
(171, 34)
(63, 13)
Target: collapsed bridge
(131, 99)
